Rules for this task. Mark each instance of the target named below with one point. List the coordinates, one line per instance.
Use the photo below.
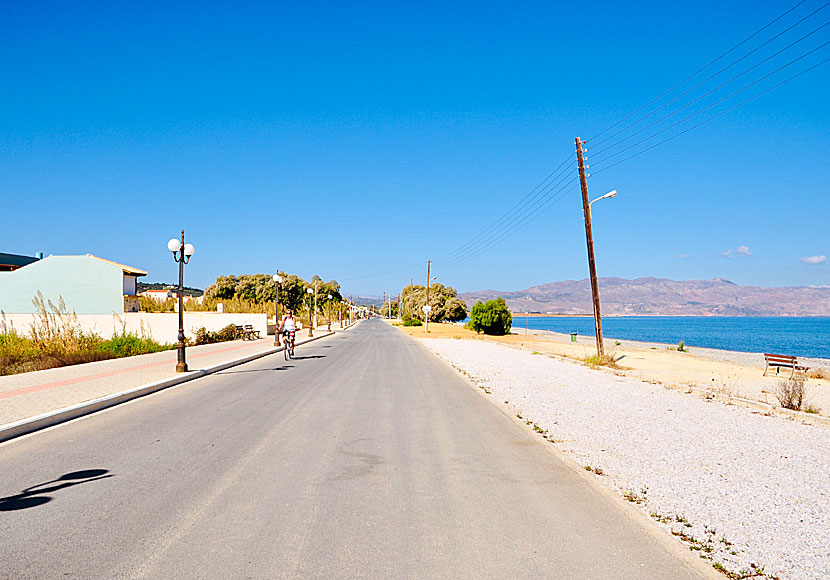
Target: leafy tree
(443, 299)
(455, 310)
(491, 317)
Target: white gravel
(761, 483)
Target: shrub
(205, 336)
(790, 393)
(412, 322)
(491, 317)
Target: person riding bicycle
(289, 326)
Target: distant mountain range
(661, 296)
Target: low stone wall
(161, 326)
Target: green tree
(491, 317)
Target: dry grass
(790, 393)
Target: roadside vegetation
(443, 300)
(55, 339)
(491, 317)
(257, 293)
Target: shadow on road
(33, 497)
(308, 356)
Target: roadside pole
(426, 306)
(590, 239)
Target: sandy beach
(731, 376)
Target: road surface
(366, 457)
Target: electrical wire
(825, 61)
(534, 193)
(710, 77)
(729, 96)
(694, 74)
(527, 218)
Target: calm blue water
(809, 336)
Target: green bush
(412, 322)
(491, 317)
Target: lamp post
(278, 280)
(589, 236)
(329, 305)
(184, 251)
(310, 323)
(315, 303)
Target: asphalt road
(365, 458)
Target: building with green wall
(88, 285)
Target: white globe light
(309, 290)
(174, 245)
(189, 249)
(277, 278)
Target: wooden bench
(247, 331)
(786, 361)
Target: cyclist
(289, 326)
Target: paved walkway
(30, 401)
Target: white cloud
(682, 256)
(742, 250)
(813, 259)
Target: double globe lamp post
(310, 319)
(278, 281)
(181, 254)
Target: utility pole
(590, 238)
(426, 306)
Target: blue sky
(350, 139)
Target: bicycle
(288, 349)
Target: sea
(796, 336)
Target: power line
(527, 218)
(716, 116)
(694, 74)
(710, 78)
(511, 224)
(511, 211)
(729, 96)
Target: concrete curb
(38, 422)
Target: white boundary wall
(163, 327)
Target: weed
(634, 497)
(790, 393)
(661, 518)
(606, 360)
(812, 409)
(682, 347)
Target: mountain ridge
(663, 296)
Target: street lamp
(278, 280)
(184, 251)
(329, 312)
(610, 194)
(310, 323)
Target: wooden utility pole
(590, 238)
(426, 312)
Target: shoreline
(732, 376)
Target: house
(9, 262)
(160, 295)
(87, 284)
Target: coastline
(733, 376)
